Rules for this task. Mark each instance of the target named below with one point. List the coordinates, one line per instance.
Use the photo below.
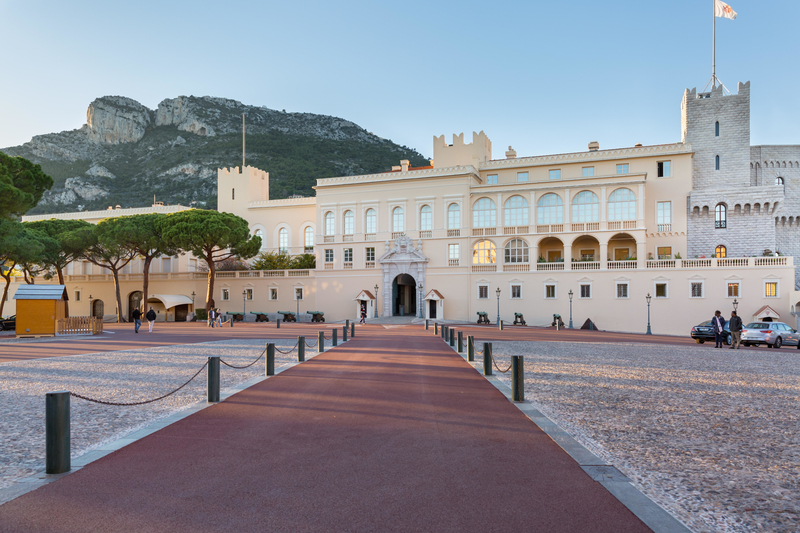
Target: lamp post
(376, 301)
(419, 305)
(570, 308)
(648, 297)
(498, 304)
(244, 305)
(297, 299)
(735, 304)
(193, 296)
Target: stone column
(568, 257)
(603, 255)
(641, 254)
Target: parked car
(704, 332)
(8, 324)
(773, 334)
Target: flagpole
(713, 43)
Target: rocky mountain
(126, 153)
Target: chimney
(594, 146)
(404, 165)
(637, 145)
(395, 168)
(511, 154)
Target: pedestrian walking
(735, 325)
(363, 314)
(151, 318)
(211, 317)
(718, 325)
(219, 317)
(137, 319)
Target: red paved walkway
(392, 432)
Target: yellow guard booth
(38, 308)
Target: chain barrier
(245, 366)
(310, 345)
(290, 349)
(498, 368)
(122, 404)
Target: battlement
(236, 188)
(475, 153)
(252, 171)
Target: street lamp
(498, 304)
(648, 297)
(297, 299)
(90, 305)
(193, 296)
(244, 305)
(419, 305)
(735, 304)
(376, 301)
(570, 308)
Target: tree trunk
(115, 272)
(60, 273)
(25, 277)
(145, 281)
(211, 273)
(5, 290)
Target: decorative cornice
(108, 213)
(285, 202)
(398, 176)
(600, 155)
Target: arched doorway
(404, 296)
(134, 301)
(98, 308)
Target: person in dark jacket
(151, 318)
(137, 319)
(718, 325)
(735, 325)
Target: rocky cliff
(126, 153)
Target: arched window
(484, 253)
(517, 251)
(330, 223)
(622, 205)
(309, 239)
(283, 240)
(349, 223)
(721, 252)
(516, 211)
(779, 181)
(372, 221)
(425, 218)
(397, 219)
(484, 214)
(585, 207)
(550, 209)
(716, 163)
(716, 129)
(260, 234)
(453, 216)
(721, 216)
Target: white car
(773, 334)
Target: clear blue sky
(545, 77)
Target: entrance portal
(404, 296)
(98, 308)
(432, 310)
(134, 301)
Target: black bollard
(487, 358)
(452, 337)
(269, 369)
(335, 341)
(517, 378)
(301, 349)
(278, 323)
(213, 379)
(231, 321)
(435, 328)
(426, 324)
(470, 348)
(321, 342)
(352, 330)
(500, 325)
(347, 323)
(444, 332)
(344, 334)
(57, 432)
(460, 342)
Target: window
(587, 255)
(516, 211)
(716, 162)
(585, 207)
(77, 296)
(770, 289)
(779, 181)
(484, 214)
(370, 254)
(622, 205)
(226, 295)
(721, 252)
(233, 194)
(283, 240)
(192, 265)
(309, 239)
(721, 216)
(330, 224)
(663, 213)
(664, 252)
(517, 251)
(329, 256)
(697, 289)
(398, 224)
(273, 293)
(425, 218)
(349, 223)
(550, 291)
(166, 264)
(372, 221)
(586, 290)
(622, 290)
(550, 209)
(663, 170)
(484, 253)
(483, 292)
(516, 292)
(248, 294)
(522, 176)
(491, 179)
(716, 129)
(661, 290)
(555, 174)
(348, 255)
(623, 169)
(588, 171)
(453, 216)
(452, 252)
(733, 289)
(298, 293)
(260, 234)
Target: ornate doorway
(404, 258)
(134, 301)
(404, 296)
(98, 308)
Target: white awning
(170, 300)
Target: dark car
(8, 324)
(704, 332)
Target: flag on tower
(721, 9)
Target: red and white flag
(721, 9)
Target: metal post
(57, 432)
(517, 378)
(352, 330)
(347, 323)
(460, 342)
(435, 328)
(444, 333)
(231, 320)
(301, 349)
(278, 323)
(269, 369)
(321, 342)
(344, 334)
(470, 348)
(426, 324)
(452, 338)
(487, 358)
(213, 379)
(500, 325)
(335, 341)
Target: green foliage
(304, 261)
(278, 261)
(69, 244)
(21, 185)
(18, 245)
(140, 233)
(201, 314)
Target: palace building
(694, 225)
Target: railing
(592, 226)
(369, 264)
(79, 325)
(578, 226)
(622, 265)
(484, 268)
(328, 266)
(292, 273)
(224, 275)
(733, 262)
(396, 234)
(771, 261)
(515, 230)
(369, 236)
(586, 265)
(661, 263)
(328, 238)
(550, 228)
(452, 262)
(271, 274)
(517, 267)
(250, 274)
(664, 227)
(549, 267)
(347, 265)
(622, 224)
(347, 238)
(454, 233)
(696, 263)
(426, 234)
